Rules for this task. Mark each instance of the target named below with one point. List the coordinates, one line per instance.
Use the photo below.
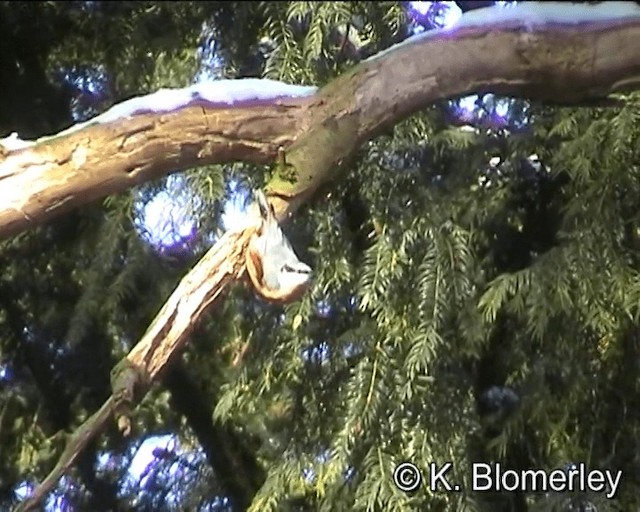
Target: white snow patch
(529, 15)
(221, 92)
(532, 14)
(13, 142)
(226, 92)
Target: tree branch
(80, 439)
(559, 63)
(197, 291)
(569, 64)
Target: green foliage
(438, 276)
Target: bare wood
(568, 64)
(167, 334)
(223, 264)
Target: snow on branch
(318, 130)
(214, 94)
(563, 53)
(530, 16)
(13, 143)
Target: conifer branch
(586, 62)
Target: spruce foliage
(462, 310)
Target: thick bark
(568, 64)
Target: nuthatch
(273, 267)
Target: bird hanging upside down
(274, 269)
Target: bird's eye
(289, 268)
